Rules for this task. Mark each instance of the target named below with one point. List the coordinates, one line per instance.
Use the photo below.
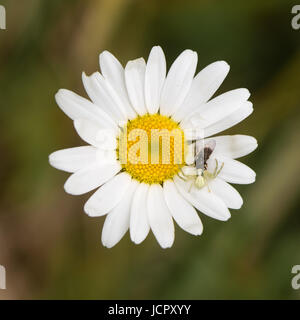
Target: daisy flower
(150, 148)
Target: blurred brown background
(50, 248)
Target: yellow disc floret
(151, 148)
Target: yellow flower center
(151, 148)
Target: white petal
(77, 107)
(233, 170)
(189, 171)
(182, 211)
(192, 133)
(226, 192)
(108, 196)
(154, 78)
(235, 146)
(113, 72)
(135, 84)
(229, 121)
(178, 82)
(204, 201)
(99, 137)
(159, 216)
(89, 178)
(204, 85)
(217, 109)
(98, 91)
(117, 221)
(73, 159)
(139, 225)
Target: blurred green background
(50, 248)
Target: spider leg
(186, 177)
(222, 166)
(208, 188)
(216, 168)
(183, 177)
